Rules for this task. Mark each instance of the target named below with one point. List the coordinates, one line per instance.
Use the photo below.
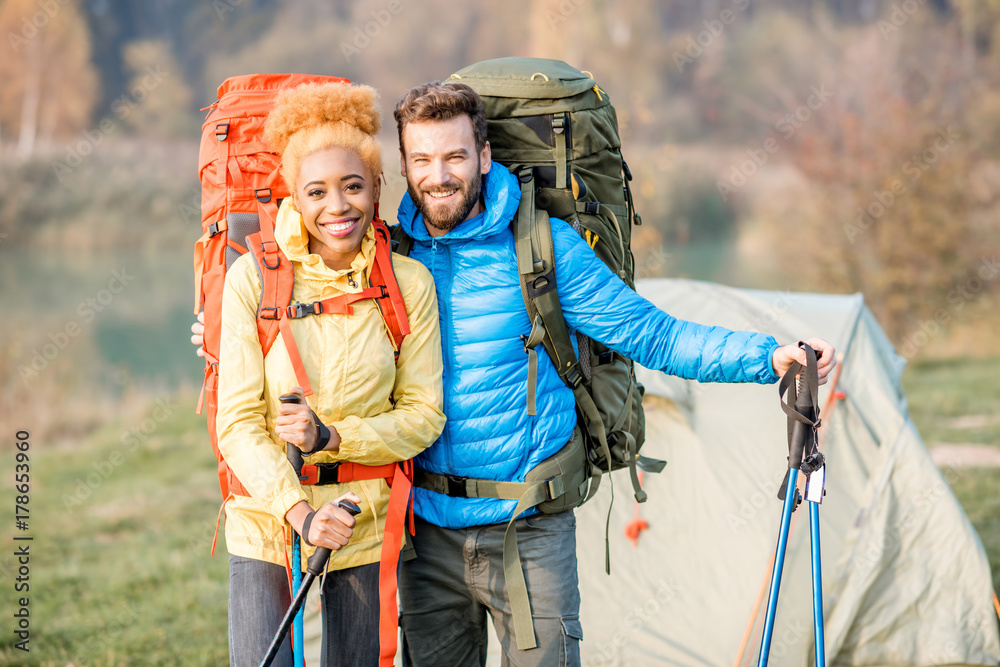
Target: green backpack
(556, 130)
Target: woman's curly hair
(315, 116)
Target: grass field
(120, 566)
(123, 523)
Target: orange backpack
(241, 187)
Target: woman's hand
(294, 424)
(198, 334)
(786, 354)
(331, 527)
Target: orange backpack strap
(399, 477)
(277, 279)
(391, 301)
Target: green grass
(121, 573)
(942, 392)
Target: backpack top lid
(251, 95)
(530, 78)
(271, 82)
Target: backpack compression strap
(399, 477)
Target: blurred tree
(885, 209)
(157, 102)
(49, 84)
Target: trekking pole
(315, 567)
(294, 455)
(804, 456)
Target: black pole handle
(317, 562)
(293, 453)
(802, 409)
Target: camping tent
(905, 577)
(906, 581)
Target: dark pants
(457, 579)
(258, 599)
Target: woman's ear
(377, 190)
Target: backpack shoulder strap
(402, 243)
(277, 277)
(391, 302)
(536, 266)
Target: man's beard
(449, 218)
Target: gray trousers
(258, 599)
(457, 579)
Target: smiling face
(336, 194)
(444, 171)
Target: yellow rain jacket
(383, 411)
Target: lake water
(113, 319)
(104, 319)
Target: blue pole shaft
(817, 572)
(298, 654)
(779, 563)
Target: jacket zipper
(350, 279)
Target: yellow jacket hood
(293, 238)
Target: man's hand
(786, 354)
(198, 334)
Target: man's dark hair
(441, 101)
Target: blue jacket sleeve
(597, 303)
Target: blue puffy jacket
(489, 434)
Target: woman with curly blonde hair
(371, 404)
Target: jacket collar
(293, 239)
(501, 193)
